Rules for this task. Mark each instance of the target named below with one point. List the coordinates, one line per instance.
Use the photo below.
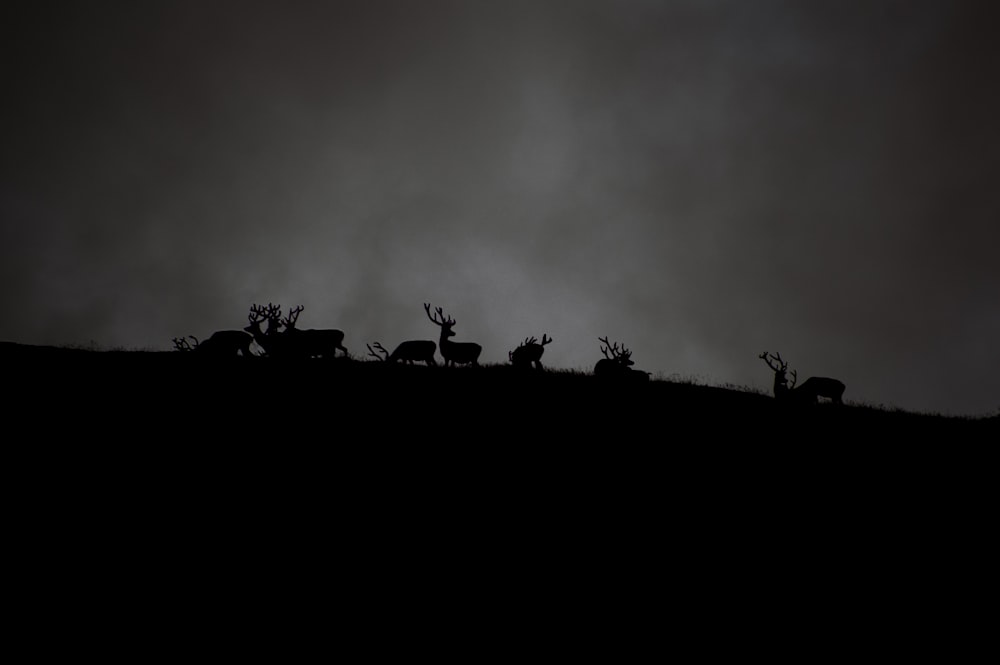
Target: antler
(438, 313)
(774, 356)
(615, 354)
(181, 343)
(293, 316)
(257, 313)
(545, 341)
(794, 375)
(381, 348)
(273, 317)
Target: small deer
(223, 343)
(417, 350)
(310, 343)
(458, 353)
(529, 353)
(810, 391)
(617, 363)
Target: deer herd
(282, 339)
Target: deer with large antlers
(270, 341)
(417, 350)
(529, 353)
(309, 343)
(458, 353)
(617, 362)
(810, 391)
(221, 344)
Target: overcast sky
(699, 179)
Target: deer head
(530, 350)
(780, 369)
(293, 316)
(273, 313)
(256, 316)
(445, 323)
(612, 352)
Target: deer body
(309, 343)
(810, 391)
(617, 363)
(411, 351)
(221, 344)
(529, 353)
(454, 353)
(820, 386)
(611, 367)
(417, 350)
(315, 343)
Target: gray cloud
(702, 180)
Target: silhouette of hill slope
(347, 399)
(162, 477)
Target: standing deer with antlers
(810, 391)
(529, 353)
(617, 362)
(409, 352)
(458, 353)
(310, 343)
(270, 341)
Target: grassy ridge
(169, 475)
(420, 402)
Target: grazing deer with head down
(221, 344)
(417, 350)
(810, 391)
(458, 353)
(617, 362)
(529, 353)
(310, 343)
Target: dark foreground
(130, 395)
(408, 505)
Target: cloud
(700, 180)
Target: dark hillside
(338, 400)
(383, 481)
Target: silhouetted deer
(810, 391)
(271, 341)
(617, 363)
(224, 343)
(529, 352)
(409, 352)
(459, 353)
(310, 343)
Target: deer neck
(445, 338)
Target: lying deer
(458, 353)
(529, 353)
(810, 391)
(417, 350)
(617, 363)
